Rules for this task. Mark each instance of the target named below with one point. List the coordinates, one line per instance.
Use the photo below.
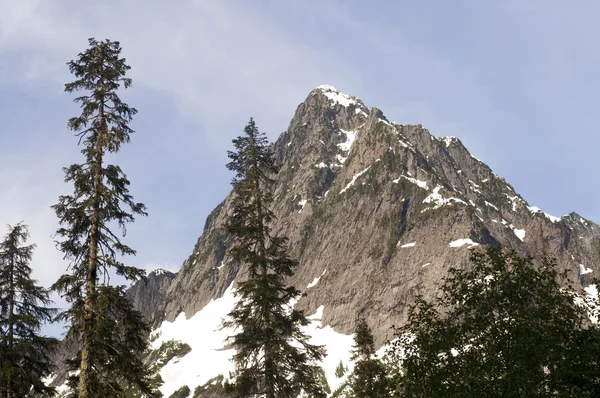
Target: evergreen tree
(274, 358)
(340, 370)
(369, 378)
(113, 335)
(505, 328)
(24, 307)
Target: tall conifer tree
(113, 334)
(274, 358)
(24, 308)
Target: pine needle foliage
(274, 357)
(24, 308)
(113, 335)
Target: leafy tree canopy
(504, 328)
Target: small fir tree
(340, 370)
(273, 358)
(369, 378)
(113, 334)
(24, 308)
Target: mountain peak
(161, 271)
(336, 97)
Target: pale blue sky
(516, 81)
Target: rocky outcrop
(379, 211)
(149, 295)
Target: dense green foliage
(183, 392)
(369, 377)
(340, 370)
(167, 351)
(273, 358)
(112, 333)
(505, 328)
(24, 308)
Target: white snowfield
(208, 358)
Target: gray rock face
(373, 208)
(149, 296)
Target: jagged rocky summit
(376, 212)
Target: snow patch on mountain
(384, 122)
(440, 201)
(463, 242)
(584, 270)
(590, 302)
(447, 140)
(520, 233)
(354, 179)
(204, 333)
(302, 203)
(475, 187)
(159, 271)
(346, 145)
(338, 346)
(493, 206)
(315, 281)
(535, 210)
(514, 200)
(335, 96)
(419, 183)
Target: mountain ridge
(334, 146)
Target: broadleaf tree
(113, 335)
(273, 356)
(25, 354)
(508, 326)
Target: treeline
(507, 327)
(504, 328)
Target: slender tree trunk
(269, 377)
(11, 322)
(92, 267)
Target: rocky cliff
(149, 296)
(378, 211)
